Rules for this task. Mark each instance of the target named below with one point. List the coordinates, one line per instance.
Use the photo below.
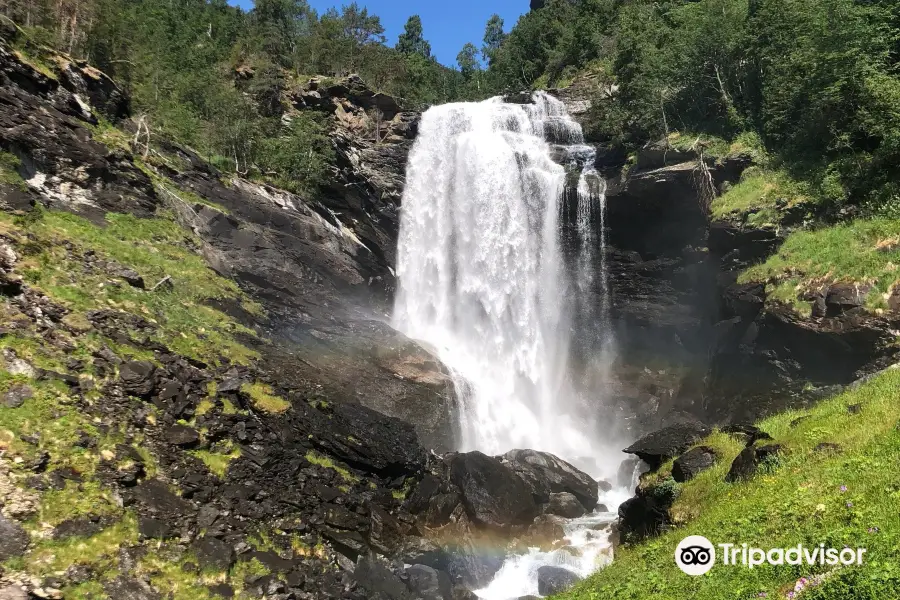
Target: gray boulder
(546, 474)
(564, 505)
(492, 494)
(553, 580)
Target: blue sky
(448, 24)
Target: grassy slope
(799, 500)
(865, 252)
(51, 246)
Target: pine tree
(412, 41)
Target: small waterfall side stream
(488, 281)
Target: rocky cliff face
(693, 343)
(214, 355)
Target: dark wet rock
(553, 580)
(744, 466)
(427, 583)
(659, 446)
(151, 528)
(13, 539)
(213, 553)
(545, 473)
(16, 395)
(842, 298)
(474, 568)
(643, 516)
(377, 578)
(691, 463)
(564, 505)
(223, 590)
(419, 550)
(131, 277)
(126, 588)
(137, 378)
(155, 496)
(492, 493)
(749, 460)
(359, 436)
(385, 532)
(182, 435)
(82, 527)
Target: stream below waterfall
(494, 275)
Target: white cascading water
(484, 282)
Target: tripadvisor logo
(696, 555)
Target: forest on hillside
(812, 82)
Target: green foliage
(802, 501)
(493, 38)
(412, 40)
(298, 157)
(9, 170)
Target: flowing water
(488, 280)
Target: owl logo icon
(695, 555)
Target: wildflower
(791, 595)
(843, 488)
(762, 595)
(849, 505)
(820, 508)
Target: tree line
(815, 80)
(213, 76)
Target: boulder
(844, 297)
(13, 539)
(553, 580)
(213, 553)
(12, 592)
(746, 464)
(492, 493)
(545, 473)
(426, 583)
(691, 463)
(376, 578)
(564, 505)
(545, 531)
(137, 377)
(182, 435)
(659, 446)
(16, 396)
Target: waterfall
(482, 270)
(498, 281)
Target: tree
(360, 29)
(412, 41)
(493, 38)
(467, 59)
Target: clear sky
(448, 24)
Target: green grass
(155, 248)
(757, 196)
(9, 170)
(100, 551)
(864, 252)
(799, 501)
(264, 398)
(323, 461)
(217, 462)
